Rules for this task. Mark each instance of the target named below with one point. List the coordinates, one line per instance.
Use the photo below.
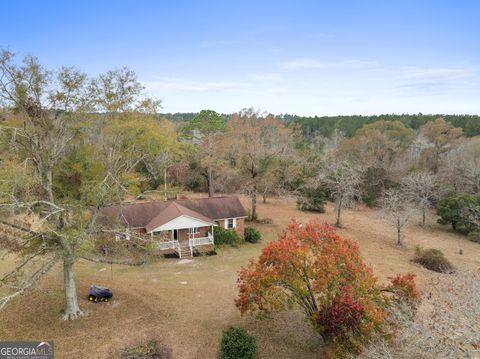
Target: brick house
(179, 225)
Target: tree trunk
(210, 182)
(423, 217)
(254, 203)
(72, 310)
(165, 183)
(436, 161)
(338, 209)
(399, 229)
(264, 197)
(48, 184)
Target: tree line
(327, 126)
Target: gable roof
(139, 215)
(173, 211)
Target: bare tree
(445, 325)
(344, 182)
(119, 91)
(443, 137)
(461, 167)
(49, 109)
(255, 145)
(421, 189)
(397, 209)
(376, 148)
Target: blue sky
(302, 57)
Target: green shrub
(252, 234)
(460, 210)
(311, 199)
(370, 199)
(237, 344)
(433, 259)
(225, 236)
(474, 236)
(149, 350)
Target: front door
(175, 234)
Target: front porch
(181, 229)
(183, 240)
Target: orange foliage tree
(312, 267)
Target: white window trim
(234, 223)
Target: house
(180, 225)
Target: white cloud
(435, 73)
(179, 84)
(266, 78)
(435, 81)
(306, 63)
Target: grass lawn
(187, 304)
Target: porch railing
(167, 245)
(192, 242)
(201, 241)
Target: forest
(327, 125)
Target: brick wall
(183, 233)
(240, 226)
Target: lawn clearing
(187, 304)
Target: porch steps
(185, 252)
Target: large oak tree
(51, 119)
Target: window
(230, 223)
(194, 230)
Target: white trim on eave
(182, 222)
(222, 219)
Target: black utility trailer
(99, 294)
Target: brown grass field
(187, 305)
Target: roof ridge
(203, 198)
(133, 202)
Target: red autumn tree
(312, 267)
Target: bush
(225, 236)
(149, 350)
(311, 199)
(474, 236)
(252, 235)
(370, 199)
(433, 259)
(237, 344)
(461, 211)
